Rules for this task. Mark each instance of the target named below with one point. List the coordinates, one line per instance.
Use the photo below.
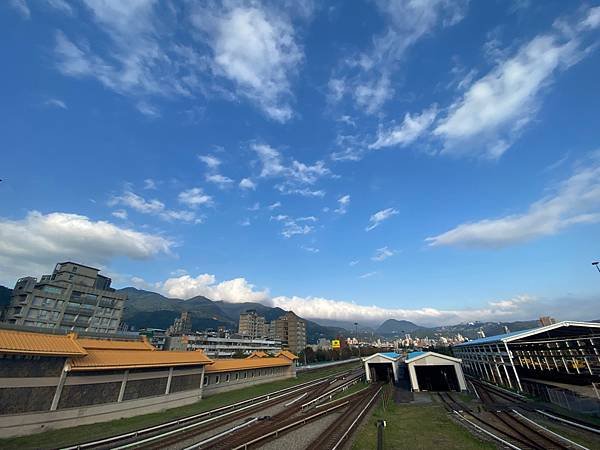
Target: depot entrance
(437, 378)
(381, 371)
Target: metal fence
(564, 398)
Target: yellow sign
(335, 343)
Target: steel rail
(549, 431)
(144, 431)
(570, 422)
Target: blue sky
(434, 161)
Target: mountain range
(150, 309)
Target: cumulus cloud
(376, 219)
(382, 254)
(32, 245)
(343, 203)
(489, 116)
(411, 128)
(237, 290)
(247, 183)
(518, 307)
(574, 201)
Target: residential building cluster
(289, 329)
(74, 297)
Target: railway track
(286, 419)
(509, 427)
(152, 437)
(334, 437)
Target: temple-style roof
(114, 344)
(40, 344)
(229, 365)
(287, 354)
(257, 354)
(135, 359)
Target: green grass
(586, 439)
(69, 436)
(415, 427)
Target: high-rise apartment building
(74, 297)
(291, 330)
(546, 320)
(252, 325)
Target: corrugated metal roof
(229, 365)
(108, 344)
(508, 337)
(414, 355)
(133, 359)
(22, 342)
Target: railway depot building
(62, 380)
(423, 371)
(561, 354)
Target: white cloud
(154, 207)
(367, 75)
(254, 207)
(237, 290)
(310, 249)
(138, 203)
(21, 7)
(218, 179)
(247, 183)
(353, 263)
(32, 245)
(575, 201)
(56, 103)
(376, 219)
(343, 203)
(255, 48)
(246, 222)
(212, 162)
(518, 307)
(61, 5)
(327, 309)
(592, 20)
(410, 130)
(120, 214)
(195, 197)
(488, 117)
(275, 205)
(295, 226)
(296, 175)
(383, 253)
(150, 184)
(367, 275)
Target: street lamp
(595, 263)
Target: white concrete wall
(433, 360)
(223, 386)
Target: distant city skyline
(437, 162)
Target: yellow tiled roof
(107, 344)
(257, 354)
(228, 365)
(42, 344)
(133, 359)
(287, 354)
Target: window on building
(227, 378)
(75, 268)
(217, 379)
(52, 289)
(237, 376)
(206, 381)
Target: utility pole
(357, 339)
(595, 263)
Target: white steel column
(123, 385)
(512, 363)
(59, 386)
(168, 388)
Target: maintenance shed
(429, 371)
(382, 366)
